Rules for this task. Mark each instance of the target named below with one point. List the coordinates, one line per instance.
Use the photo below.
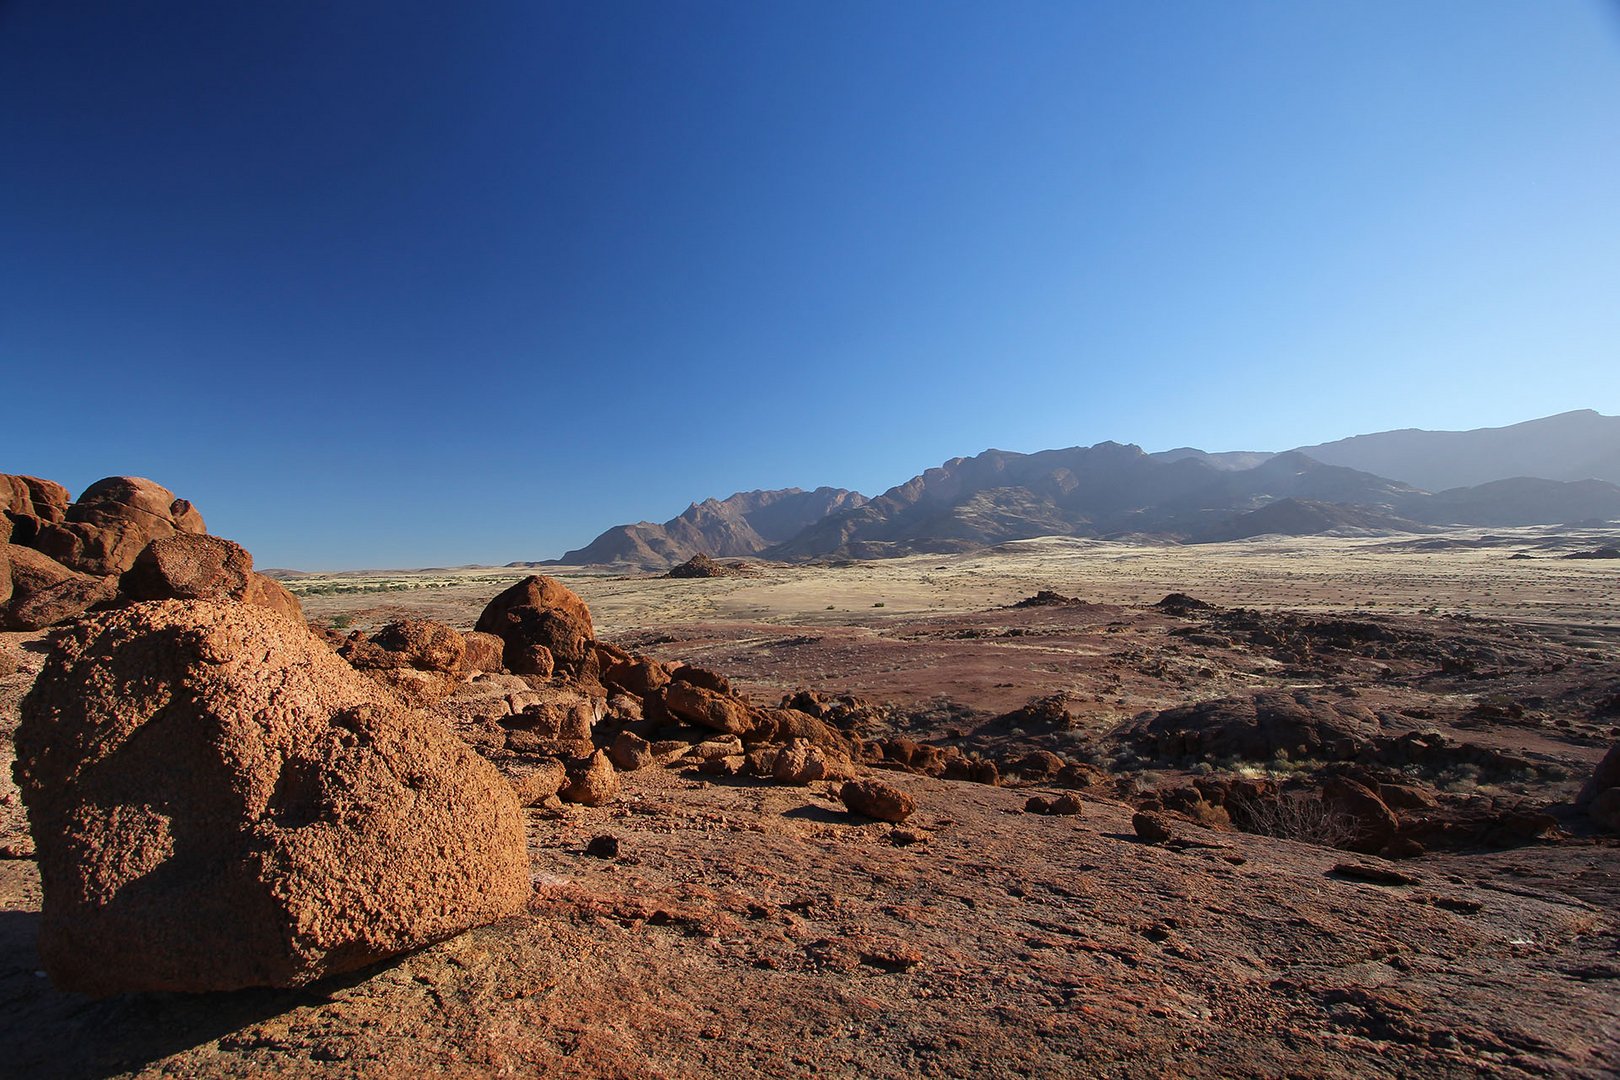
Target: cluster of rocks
(562, 713)
(701, 566)
(123, 540)
(1356, 810)
(1300, 725)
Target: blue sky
(395, 284)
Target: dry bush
(1295, 815)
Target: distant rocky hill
(743, 524)
(1558, 470)
(1580, 445)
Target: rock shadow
(48, 1032)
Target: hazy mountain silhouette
(1117, 490)
(1580, 445)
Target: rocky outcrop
(126, 539)
(1257, 727)
(701, 566)
(542, 612)
(112, 521)
(219, 801)
(26, 504)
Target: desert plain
(711, 921)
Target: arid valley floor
(743, 925)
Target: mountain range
(1557, 469)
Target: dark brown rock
(1056, 804)
(221, 802)
(1153, 827)
(876, 799)
(1604, 777)
(1373, 822)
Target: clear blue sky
(393, 284)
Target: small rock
(592, 782)
(876, 799)
(605, 846)
(1373, 875)
(1154, 828)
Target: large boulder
(26, 503)
(219, 802)
(541, 611)
(192, 566)
(41, 592)
(111, 523)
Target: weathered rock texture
(192, 566)
(40, 591)
(221, 802)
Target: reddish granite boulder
(219, 801)
(542, 611)
(41, 592)
(112, 522)
(26, 503)
(706, 708)
(192, 566)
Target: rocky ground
(702, 922)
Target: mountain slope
(1578, 445)
(1101, 490)
(741, 524)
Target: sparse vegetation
(1294, 815)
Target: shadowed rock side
(220, 802)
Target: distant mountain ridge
(1579, 445)
(741, 524)
(1113, 490)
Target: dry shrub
(1294, 815)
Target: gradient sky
(402, 284)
